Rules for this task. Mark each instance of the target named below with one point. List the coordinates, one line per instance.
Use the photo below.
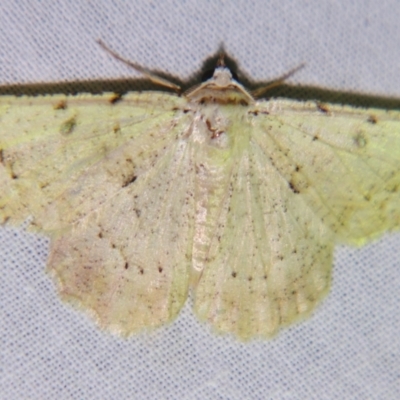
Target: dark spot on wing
(234, 274)
(61, 105)
(214, 132)
(293, 187)
(257, 112)
(115, 98)
(298, 183)
(323, 107)
(360, 140)
(44, 185)
(68, 126)
(116, 127)
(13, 175)
(128, 180)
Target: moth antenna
(147, 73)
(277, 82)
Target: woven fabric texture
(350, 348)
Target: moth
(236, 201)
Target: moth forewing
(238, 200)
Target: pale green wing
(48, 142)
(121, 209)
(344, 161)
(302, 181)
(269, 260)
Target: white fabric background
(350, 348)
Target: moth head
(221, 89)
